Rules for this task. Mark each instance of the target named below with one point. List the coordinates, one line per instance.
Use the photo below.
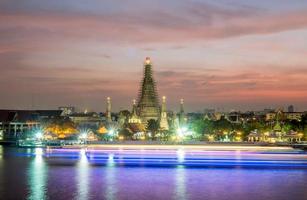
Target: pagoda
(108, 111)
(163, 117)
(148, 103)
(182, 116)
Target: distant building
(49, 114)
(67, 110)
(294, 115)
(233, 117)
(213, 116)
(286, 115)
(291, 109)
(209, 111)
(88, 120)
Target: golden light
(62, 136)
(102, 130)
(147, 61)
(211, 138)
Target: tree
(153, 127)
(303, 125)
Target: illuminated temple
(148, 103)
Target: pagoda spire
(163, 117)
(182, 117)
(181, 105)
(108, 112)
(134, 107)
(134, 118)
(148, 103)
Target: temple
(182, 116)
(148, 103)
(134, 118)
(163, 116)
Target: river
(26, 174)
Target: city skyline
(214, 55)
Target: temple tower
(148, 103)
(182, 117)
(108, 111)
(163, 115)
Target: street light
(111, 132)
(83, 136)
(39, 135)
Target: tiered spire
(148, 103)
(134, 107)
(181, 105)
(108, 112)
(182, 118)
(163, 116)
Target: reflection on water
(37, 176)
(1, 154)
(180, 192)
(110, 193)
(26, 174)
(180, 156)
(83, 177)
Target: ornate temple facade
(148, 103)
(134, 118)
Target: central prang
(148, 102)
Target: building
(294, 115)
(291, 109)
(67, 110)
(148, 103)
(15, 123)
(86, 120)
(234, 117)
(285, 115)
(134, 118)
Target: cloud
(66, 49)
(194, 22)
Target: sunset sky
(227, 54)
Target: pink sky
(245, 55)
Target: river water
(24, 176)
